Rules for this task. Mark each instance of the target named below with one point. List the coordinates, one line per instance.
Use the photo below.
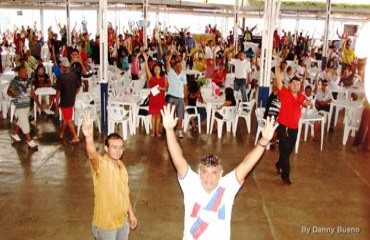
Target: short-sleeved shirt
(210, 212)
(76, 67)
(176, 83)
(111, 194)
(291, 108)
(324, 96)
(242, 68)
(67, 84)
(21, 91)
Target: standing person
(78, 67)
(190, 45)
(113, 212)
(156, 102)
(242, 74)
(67, 86)
(209, 196)
(291, 100)
(21, 90)
(135, 65)
(177, 87)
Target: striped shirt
(176, 83)
(21, 92)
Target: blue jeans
(118, 234)
(240, 84)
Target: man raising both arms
(209, 196)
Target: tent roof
(354, 8)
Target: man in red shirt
(292, 100)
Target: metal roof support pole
(236, 36)
(145, 26)
(42, 25)
(102, 14)
(326, 33)
(68, 9)
(271, 13)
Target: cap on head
(64, 63)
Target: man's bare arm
(169, 122)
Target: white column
(236, 10)
(272, 9)
(145, 14)
(68, 9)
(103, 31)
(326, 31)
(98, 22)
(42, 25)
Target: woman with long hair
(157, 101)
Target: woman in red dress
(157, 101)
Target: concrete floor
(49, 194)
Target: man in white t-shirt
(242, 74)
(209, 196)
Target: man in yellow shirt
(113, 212)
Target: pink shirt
(135, 66)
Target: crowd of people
(208, 198)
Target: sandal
(74, 141)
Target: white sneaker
(31, 144)
(181, 134)
(16, 138)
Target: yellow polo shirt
(111, 194)
(348, 55)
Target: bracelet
(264, 146)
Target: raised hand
(87, 126)
(168, 118)
(269, 129)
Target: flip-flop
(74, 141)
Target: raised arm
(169, 122)
(147, 70)
(87, 129)
(278, 77)
(168, 60)
(250, 160)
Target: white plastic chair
(189, 116)
(137, 85)
(144, 120)
(118, 115)
(80, 109)
(229, 82)
(352, 123)
(228, 116)
(244, 111)
(261, 122)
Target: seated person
(323, 96)
(194, 96)
(41, 78)
(219, 75)
(347, 77)
(229, 101)
(273, 105)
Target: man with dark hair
(291, 100)
(177, 86)
(67, 86)
(209, 196)
(20, 89)
(113, 212)
(242, 74)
